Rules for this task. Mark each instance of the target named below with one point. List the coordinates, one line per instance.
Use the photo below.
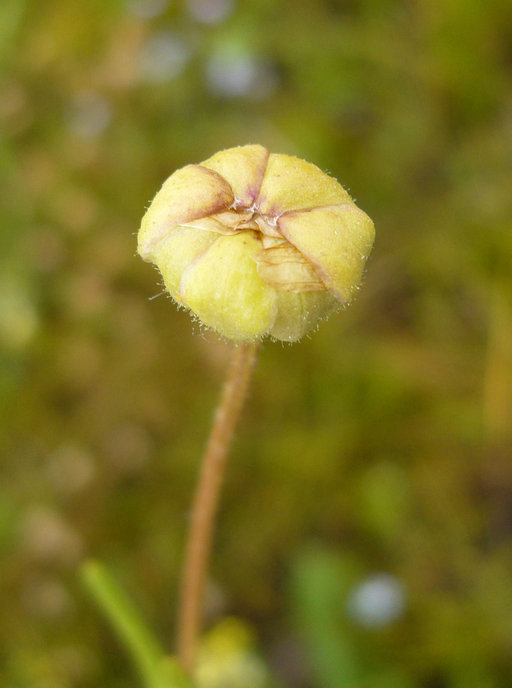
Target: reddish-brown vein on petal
(291, 214)
(258, 181)
(322, 276)
(336, 239)
(291, 184)
(243, 168)
(192, 192)
(316, 207)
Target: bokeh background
(365, 535)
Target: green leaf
(156, 669)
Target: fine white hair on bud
(256, 243)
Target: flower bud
(255, 243)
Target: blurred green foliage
(385, 438)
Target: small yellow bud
(255, 243)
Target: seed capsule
(256, 243)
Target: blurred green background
(365, 535)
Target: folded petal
(293, 184)
(336, 240)
(227, 222)
(177, 251)
(284, 267)
(224, 290)
(190, 193)
(297, 314)
(243, 169)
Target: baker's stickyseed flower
(256, 243)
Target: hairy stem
(206, 501)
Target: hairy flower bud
(255, 243)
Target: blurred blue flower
(238, 75)
(377, 601)
(163, 57)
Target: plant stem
(206, 501)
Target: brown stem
(206, 500)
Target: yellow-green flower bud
(255, 243)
